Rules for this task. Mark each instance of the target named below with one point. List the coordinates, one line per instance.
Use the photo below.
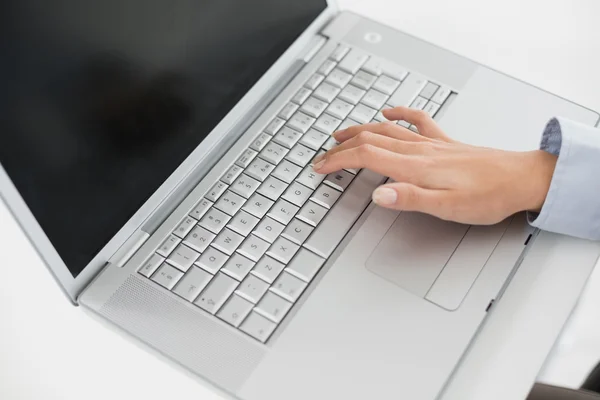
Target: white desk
(52, 350)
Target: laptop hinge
(313, 48)
(129, 248)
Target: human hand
(436, 175)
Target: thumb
(408, 197)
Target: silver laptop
(158, 156)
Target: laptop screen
(100, 101)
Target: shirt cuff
(572, 206)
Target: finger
(424, 123)
(400, 167)
(384, 142)
(408, 197)
(388, 129)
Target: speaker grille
(191, 338)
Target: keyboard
(253, 244)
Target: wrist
(539, 167)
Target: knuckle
(421, 116)
(363, 136)
(366, 151)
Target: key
(305, 265)
(300, 155)
(227, 241)
(217, 190)
(326, 92)
(183, 257)
(246, 158)
(286, 171)
(339, 52)
(339, 180)
(379, 117)
(327, 67)
(274, 125)
(310, 178)
(431, 108)
(211, 260)
(363, 114)
(301, 95)
(312, 213)
(339, 108)
(230, 203)
(374, 99)
(297, 231)
(300, 122)
(314, 81)
(419, 103)
(258, 327)
(232, 173)
(352, 94)
(258, 144)
(238, 267)
(297, 194)
(214, 220)
(288, 286)
(235, 310)
(325, 196)
(167, 276)
(410, 89)
(347, 123)
(429, 90)
(244, 185)
(441, 95)
(269, 229)
(243, 223)
(273, 307)
(327, 124)
(404, 124)
(252, 288)
(257, 205)
(184, 227)
(192, 283)
(313, 139)
(364, 80)
(353, 61)
(386, 85)
(287, 137)
(327, 236)
(319, 153)
(201, 209)
(267, 269)
(151, 265)
(414, 128)
(313, 107)
(273, 153)
(199, 239)
(287, 111)
(272, 188)
(282, 250)
(283, 211)
(330, 143)
(393, 70)
(253, 248)
(259, 169)
(168, 245)
(338, 78)
(215, 294)
(373, 66)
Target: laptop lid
(106, 105)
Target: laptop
(158, 156)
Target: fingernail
(336, 133)
(319, 165)
(385, 196)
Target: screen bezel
(72, 286)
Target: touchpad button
(415, 250)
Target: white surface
(52, 350)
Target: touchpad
(415, 249)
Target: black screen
(100, 101)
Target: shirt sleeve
(572, 206)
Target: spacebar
(330, 232)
